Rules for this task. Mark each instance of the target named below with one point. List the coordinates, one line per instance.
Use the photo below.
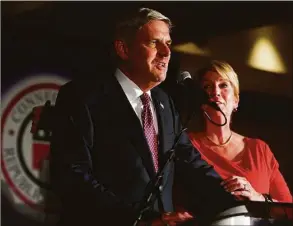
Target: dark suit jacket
(101, 166)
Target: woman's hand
(241, 188)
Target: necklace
(223, 144)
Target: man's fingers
(188, 215)
(177, 216)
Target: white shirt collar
(132, 91)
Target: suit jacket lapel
(127, 119)
(160, 104)
(159, 112)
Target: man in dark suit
(113, 135)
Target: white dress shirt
(133, 93)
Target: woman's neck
(218, 134)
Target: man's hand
(171, 219)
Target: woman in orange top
(248, 167)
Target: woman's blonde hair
(225, 71)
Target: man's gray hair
(126, 29)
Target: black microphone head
(183, 75)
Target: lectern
(256, 214)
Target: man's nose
(164, 50)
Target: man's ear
(121, 49)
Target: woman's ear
(236, 104)
(121, 49)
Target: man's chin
(161, 77)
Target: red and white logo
(24, 155)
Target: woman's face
(219, 91)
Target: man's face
(149, 54)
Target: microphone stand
(149, 198)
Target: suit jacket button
(161, 188)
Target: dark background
(73, 39)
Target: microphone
(196, 94)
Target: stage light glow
(191, 48)
(264, 56)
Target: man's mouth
(161, 64)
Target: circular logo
(24, 155)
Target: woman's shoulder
(261, 150)
(256, 145)
(254, 141)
